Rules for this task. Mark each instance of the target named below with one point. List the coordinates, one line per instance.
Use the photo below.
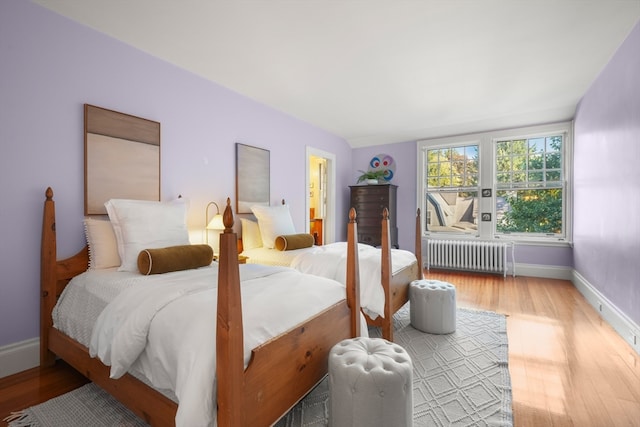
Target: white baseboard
(19, 357)
(545, 271)
(620, 322)
(536, 270)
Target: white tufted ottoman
(433, 306)
(370, 384)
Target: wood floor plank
(568, 366)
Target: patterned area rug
(460, 379)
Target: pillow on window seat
(294, 241)
(174, 258)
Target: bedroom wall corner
(620, 322)
(607, 178)
(19, 357)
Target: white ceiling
(376, 71)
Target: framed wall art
(252, 177)
(122, 158)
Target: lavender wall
(50, 67)
(607, 180)
(404, 155)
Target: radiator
(471, 255)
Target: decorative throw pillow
(250, 234)
(294, 241)
(141, 224)
(101, 240)
(273, 221)
(174, 258)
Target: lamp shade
(216, 223)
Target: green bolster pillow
(174, 258)
(294, 241)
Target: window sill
(535, 241)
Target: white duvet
(164, 327)
(331, 261)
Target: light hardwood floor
(568, 367)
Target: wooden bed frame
(280, 372)
(395, 286)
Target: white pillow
(101, 240)
(251, 238)
(273, 221)
(141, 224)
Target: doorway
(320, 200)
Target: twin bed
(385, 273)
(274, 328)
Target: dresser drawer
(369, 235)
(369, 222)
(370, 198)
(369, 190)
(369, 209)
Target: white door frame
(328, 224)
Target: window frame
(487, 145)
(424, 219)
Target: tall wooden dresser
(369, 201)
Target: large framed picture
(122, 158)
(252, 177)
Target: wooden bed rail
(353, 273)
(54, 274)
(386, 269)
(395, 292)
(229, 335)
(418, 246)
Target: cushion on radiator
(294, 241)
(174, 258)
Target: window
(505, 184)
(452, 189)
(529, 186)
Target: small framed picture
(486, 192)
(486, 216)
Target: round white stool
(433, 306)
(370, 384)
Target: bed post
(418, 250)
(353, 274)
(48, 279)
(229, 332)
(385, 274)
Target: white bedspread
(164, 327)
(331, 261)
